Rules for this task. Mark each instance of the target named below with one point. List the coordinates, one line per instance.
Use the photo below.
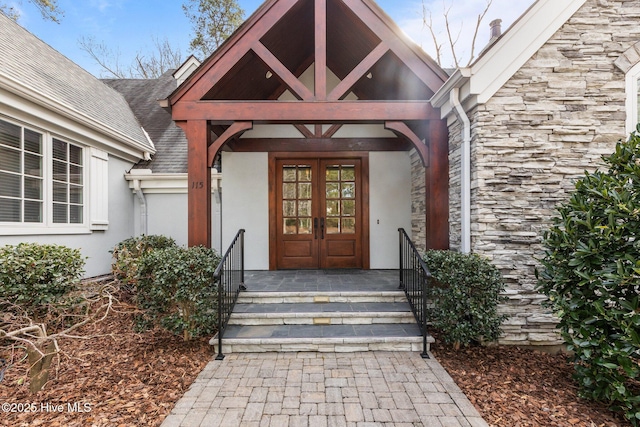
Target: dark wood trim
(217, 129)
(389, 32)
(199, 182)
(437, 181)
(282, 72)
(298, 72)
(331, 131)
(319, 155)
(358, 72)
(233, 130)
(404, 130)
(319, 144)
(317, 131)
(227, 55)
(304, 130)
(305, 112)
(320, 49)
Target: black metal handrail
(414, 279)
(228, 280)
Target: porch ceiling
(348, 42)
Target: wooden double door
(319, 213)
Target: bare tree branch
(452, 41)
(48, 8)
(475, 32)
(429, 25)
(157, 61)
(107, 59)
(16, 326)
(451, 38)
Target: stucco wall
(390, 205)
(245, 204)
(96, 245)
(167, 214)
(552, 120)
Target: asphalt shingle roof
(33, 64)
(170, 141)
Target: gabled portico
(318, 85)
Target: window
(42, 178)
(67, 183)
(21, 174)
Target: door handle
(315, 227)
(322, 228)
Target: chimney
(496, 29)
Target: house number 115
(196, 185)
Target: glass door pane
(296, 199)
(340, 193)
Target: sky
(130, 26)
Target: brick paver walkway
(324, 389)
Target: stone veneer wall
(418, 197)
(455, 166)
(552, 120)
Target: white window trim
(631, 88)
(47, 226)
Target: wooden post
(199, 182)
(321, 50)
(437, 186)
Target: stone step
(334, 321)
(320, 297)
(333, 338)
(331, 313)
(322, 318)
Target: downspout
(137, 189)
(465, 178)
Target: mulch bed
(128, 379)
(515, 387)
(120, 379)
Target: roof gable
(34, 70)
(354, 39)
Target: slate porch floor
(322, 280)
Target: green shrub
(127, 255)
(175, 290)
(465, 297)
(39, 277)
(591, 274)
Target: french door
(319, 213)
